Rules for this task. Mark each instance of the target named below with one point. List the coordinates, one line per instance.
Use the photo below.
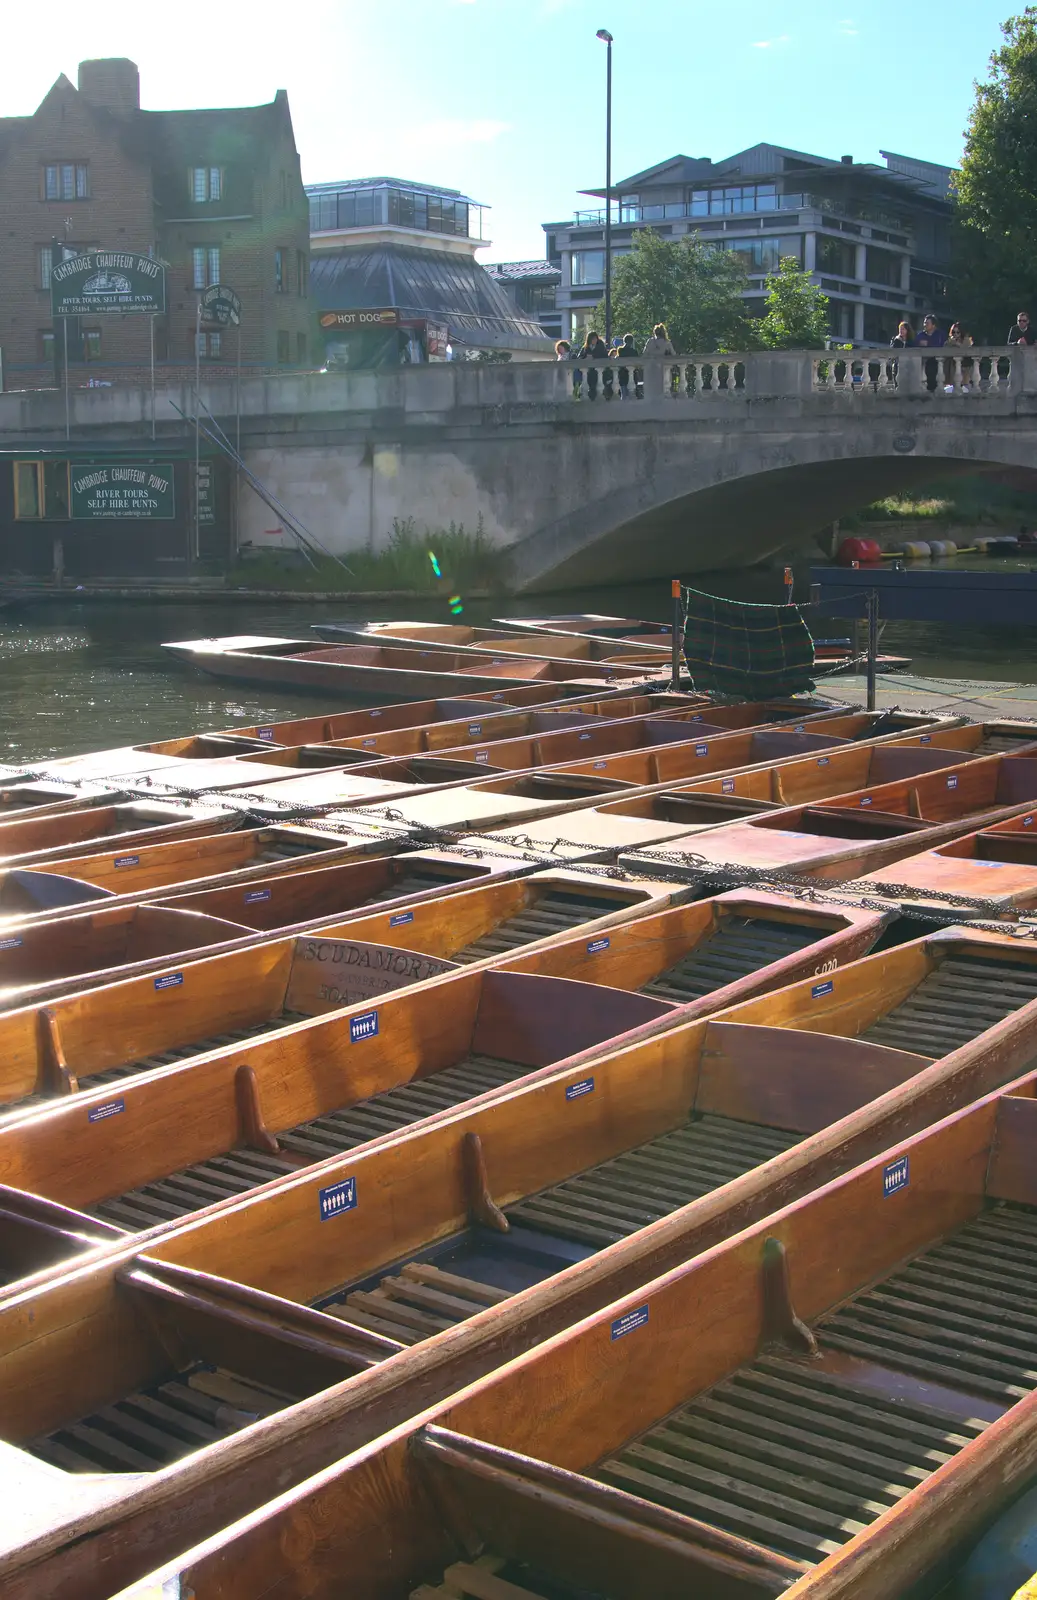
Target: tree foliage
(996, 264)
(797, 311)
(696, 289)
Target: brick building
(216, 194)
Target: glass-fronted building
(875, 238)
(394, 279)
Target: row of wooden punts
(564, 1142)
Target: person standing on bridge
(1021, 332)
(932, 337)
(904, 337)
(594, 350)
(659, 344)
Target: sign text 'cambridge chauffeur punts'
(121, 489)
(106, 281)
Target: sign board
(122, 489)
(104, 282)
(437, 338)
(206, 495)
(388, 317)
(221, 306)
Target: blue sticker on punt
(264, 733)
(474, 730)
(925, 738)
(727, 786)
(702, 749)
(599, 766)
(336, 1198)
(10, 944)
(576, 1091)
(865, 799)
(800, 727)
(368, 744)
(1027, 822)
(584, 735)
(254, 896)
(629, 1323)
(172, 980)
(820, 989)
(400, 918)
(482, 755)
(111, 1108)
(896, 1175)
(126, 861)
(363, 1027)
(822, 761)
(952, 781)
(594, 945)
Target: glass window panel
(55, 489)
(215, 343)
(883, 267)
(197, 183)
(26, 490)
(198, 267)
(68, 181)
(82, 183)
(588, 266)
(215, 183)
(214, 265)
(52, 183)
(316, 213)
(92, 344)
(699, 202)
(46, 262)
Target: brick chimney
(113, 83)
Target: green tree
(797, 311)
(995, 262)
(696, 289)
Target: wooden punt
(41, 797)
(495, 641)
(343, 960)
(122, 826)
(669, 749)
(852, 835)
(411, 1238)
(559, 817)
(381, 669)
(242, 862)
(483, 802)
(349, 725)
(709, 955)
(592, 624)
(775, 1417)
(455, 738)
(996, 865)
(60, 951)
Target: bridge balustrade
(951, 371)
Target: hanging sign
(103, 282)
(206, 495)
(121, 489)
(387, 318)
(437, 338)
(221, 305)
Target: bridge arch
(686, 506)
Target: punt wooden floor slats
(963, 996)
(736, 948)
(554, 912)
(593, 1209)
(802, 1455)
(333, 1133)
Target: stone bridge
(706, 461)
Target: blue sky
(504, 98)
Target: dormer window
(206, 183)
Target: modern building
(394, 277)
(875, 238)
(216, 194)
(532, 287)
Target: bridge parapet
(471, 394)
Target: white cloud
(770, 44)
(454, 130)
(848, 28)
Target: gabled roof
(764, 160)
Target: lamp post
(606, 38)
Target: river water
(85, 676)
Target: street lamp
(606, 38)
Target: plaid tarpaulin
(749, 650)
